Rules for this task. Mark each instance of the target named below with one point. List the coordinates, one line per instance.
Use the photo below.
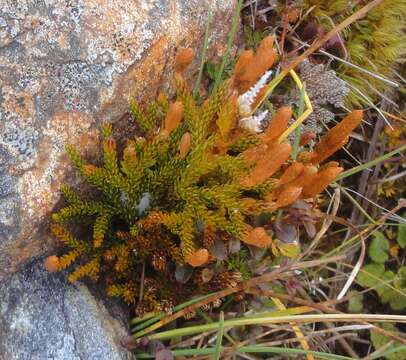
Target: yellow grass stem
(295, 328)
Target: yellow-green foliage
(376, 42)
(193, 180)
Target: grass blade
(389, 351)
(371, 163)
(191, 330)
(298, 130)
(231, 37)
(253, 350)
(288, 351)
(204, 52)
(219, 340)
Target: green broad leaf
(400, 278)
(370, 274)
(379, 340)
(388, 294)
(355, 304)
(401, 238)
(211, 70)
(291, 251)
(398, 301)
(385, 292)
(379, 248)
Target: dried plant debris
(326, 91)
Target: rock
(43, 317)
(67, 65)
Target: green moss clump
(375, 43)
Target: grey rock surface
(66, 65)
(43, 317)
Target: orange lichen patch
(269, 164)
(19, 104)
(183, 59)
(173, 117)
(336, 137)
(288, 196)
(51, 263)
(62, 40)
(291, 173)
(148, 69)
(198, 258)
(250, 67)
(258, 237)
(184, 145)
(321, 181)
(278, 125)
(39, 184)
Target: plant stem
(157, 317)
(253, 350)
(231, 37)
(204, 52)
(369, 164)
(298, 130)
(219, 340)
(275, 319)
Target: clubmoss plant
(180, 201)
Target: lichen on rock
(42, 317)
(66, 66)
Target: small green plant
(239, 262)
(253, 37)
(397, 350)
(175, 200)
(389, 285)
(355, 302)
(401, 235)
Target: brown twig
(266, 278)
(323, 307)
(318, 43)
(141, 295)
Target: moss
(375, 43)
